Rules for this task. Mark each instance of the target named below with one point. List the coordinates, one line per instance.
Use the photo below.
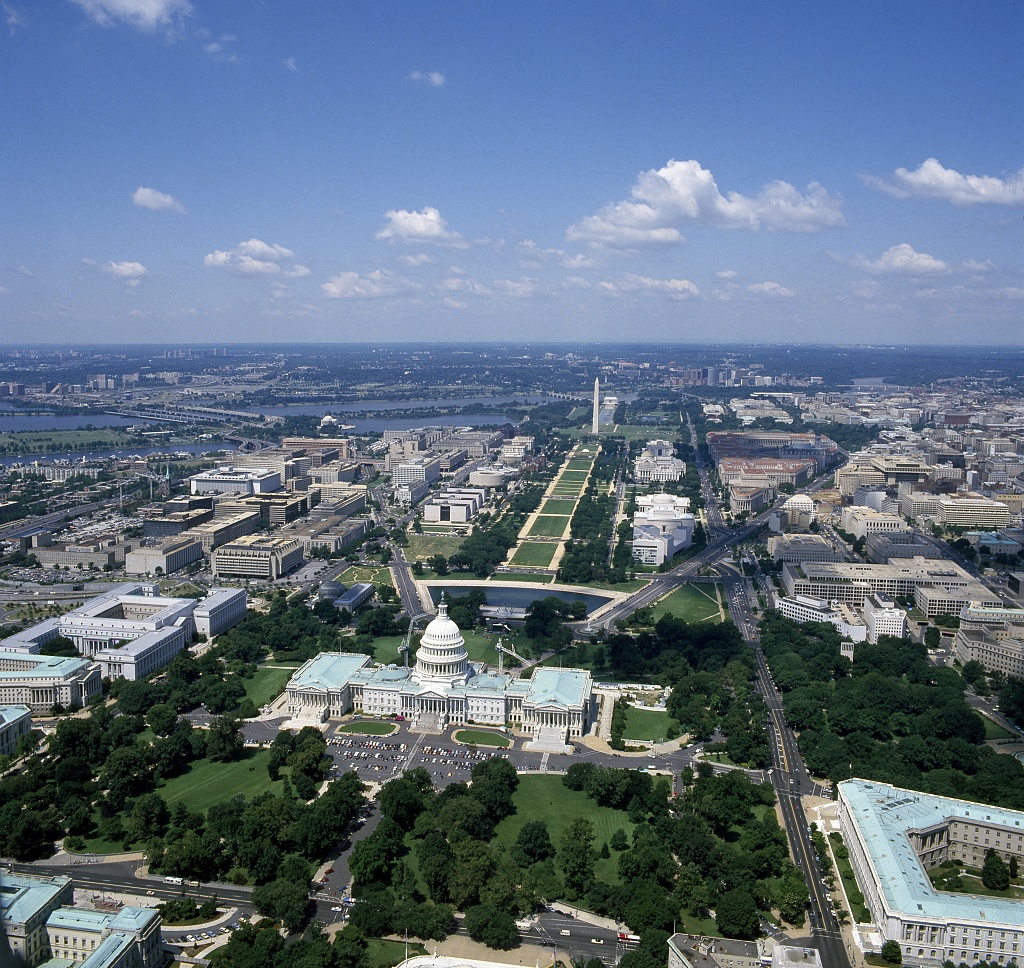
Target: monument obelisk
(597, 404)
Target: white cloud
(454, 303)
(289, 63)
(662, 201)
(157, 201)
(372, 285)
(256, 258)
(144, 14)
(630, 282)
(4, 290)
(130, 273)
(903, 259)
(426, 226)
(24, 271)
(932, 180)
(15, 19)
(417, 260)
(575, 282)
(218, 48)
(532, 256)
(433, 78)
(522, 288)
(727, 273)
(770, 289)
(262, 250)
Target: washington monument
(597, 404)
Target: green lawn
(649, 724)
(550, 525)
(547, 798)
(556, 505)
(428, 545)
(378, 574)
(539, 579)
(206, 783)
(368, 728)
(266, 685)
(692, 603)
(537, 553)
(481, 737)
(567, 490)
(387, 954)
(994, 731)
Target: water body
(518, 597)
(93, 455)
(52, 421)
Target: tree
(284, 900)
(534, 842)
(995, 875)
(576, 856)
(892, 953)
(162, 718)
(736, 914)
(494, 928)
(224, 739)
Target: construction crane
(407, 644)
(508, 650)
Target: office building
(26, 901)
(801, 547)
(800, 608)
(257, 556)
(861, 521)
(882, 616)
(169, 556)
(42, 681)
(894, 836)
(235, 480)
(15, 722)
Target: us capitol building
(445, 689)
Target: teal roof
(22, 896)
(108, 951)
(11, 714)
(42, 666)
(329, 670)
(884, 813)
(565, 687)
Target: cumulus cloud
(426, 226)
(372, 285)
(454, 303)
(157, 201)
(770, 289)
(130, 273)
(902, 258)
(256, 258)
(727, 273)
(630, 282)
(662, 201)
(289, 63)
(433, 78)
(932, 180)
(144, 14)
(532, 256)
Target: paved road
(790, 779)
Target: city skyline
(190, 170)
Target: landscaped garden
(648, 724)
(368, 728)
(481, 737)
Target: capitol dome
(442, 657)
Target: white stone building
(662, 526)
(658, 462)
(444, 688)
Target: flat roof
(883, 814)
(565, 686)
(329, 670)
(22, 895)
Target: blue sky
(246, 170)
